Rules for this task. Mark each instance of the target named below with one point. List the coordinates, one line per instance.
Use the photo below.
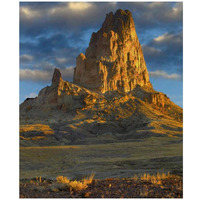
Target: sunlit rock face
(114, 59)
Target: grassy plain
(114, 160)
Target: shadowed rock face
(56, 76)
(114, 59)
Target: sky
(53, 34)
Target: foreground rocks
(171, 187)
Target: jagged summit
(114, 59)
(118, 22)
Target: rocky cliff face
(114, 59)
(61, 95)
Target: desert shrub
(74, 185)
(62, 179)
(77, 185)
(88, 180)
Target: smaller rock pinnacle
(56, 76)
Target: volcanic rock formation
(110, 100)
(114, 58)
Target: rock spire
(114, 59)
(56, 76)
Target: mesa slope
(85, 116)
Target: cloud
(35, 75)
(26, 58)
(67, 73)
(165, 75)
(44, 65)
(165, 52)
(45, 75)
(61, 60)
(28, 13)
(31, 95)
(79, 6)
(149, 51)
(52, 51)
(37, 18)
(158, 13)
(68, 17)
(169, 39)
(163, 38)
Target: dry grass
(62, 179)
(51, 147)
(88, 180)
(155, 179)
(33, 138)
(66, 183)
(39, 179)
(170, 187)
(36, 127)
(168, 151)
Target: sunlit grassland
(51, 147)
(36, 127)
(150, 155)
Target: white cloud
(31, 95)
(67, 73)
(165, 75)
(46, 66)
(79, 5)
(61, 60)
(169, 38)
(45, 75)
(163, 37)
(26, 12)
(68, 8)
(155, 5)
(177, 11)
(35, 75)
(150, 50)
(26, 58)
